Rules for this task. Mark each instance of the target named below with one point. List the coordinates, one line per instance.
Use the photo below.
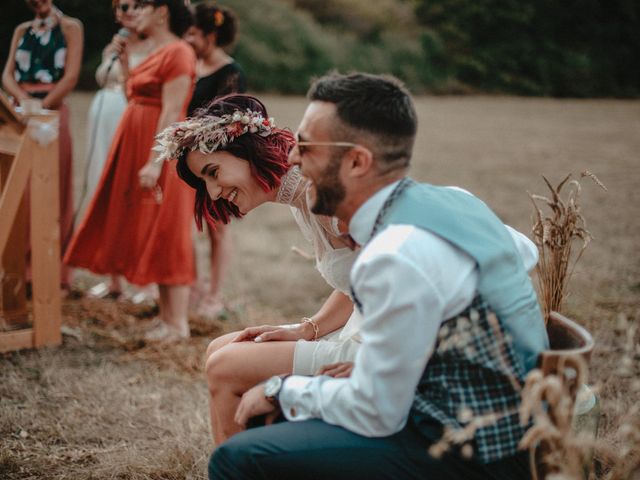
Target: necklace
(400, 187)
(41, 26)
(289, 186)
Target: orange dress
(128, 230)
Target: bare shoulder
(20, 29)
(71, 25)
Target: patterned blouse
(41, 55)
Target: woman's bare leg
(174, 302)
(220, 249)
(215, 345)
(234, 369)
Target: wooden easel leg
(13, 302)
(45, 243)
(13, 297)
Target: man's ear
(359, 161)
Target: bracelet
(313, 323)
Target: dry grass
(554, 234)
(103, 407)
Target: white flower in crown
(209, 133)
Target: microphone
(124, 33)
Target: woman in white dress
(236, 159)
(126, 50)
(110, 101)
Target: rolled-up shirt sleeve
(403, 310)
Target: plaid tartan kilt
(471, 385)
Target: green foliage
(539, 47)
(575, 48)
(359, 18)
(282, 47)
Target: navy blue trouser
(316, 450)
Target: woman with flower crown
(235, 158)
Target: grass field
(103, 406)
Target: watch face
(272, 386)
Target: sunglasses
(144, 3)
(124, 7)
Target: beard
(329, 189)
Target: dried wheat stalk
(548, 401)
(554, 234)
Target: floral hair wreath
(209, 133)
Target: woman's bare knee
(219, 342)
(222, 368)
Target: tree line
(567, 48)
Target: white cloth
(409, 280)
(105, 111)
(334, 264)
(308, 357)
(104, 115)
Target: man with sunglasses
(451, 321)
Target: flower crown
(209, 133)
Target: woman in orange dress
(138, 223)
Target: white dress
(334, 264)
(104, 115)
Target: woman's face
(198, 40)
(229, 177)
(127, 14)
(41, 8)
(150, 17)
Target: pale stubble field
(96, 408)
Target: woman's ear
(212, 38)
(163, 12)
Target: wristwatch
(272, 388)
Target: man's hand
(254, 403)
(336, 370)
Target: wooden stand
(21, 155)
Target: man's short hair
(377, 105)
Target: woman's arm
(8, 74)
(74, 37)
(333, 314)
(175, 94)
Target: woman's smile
(228, 177)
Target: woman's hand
(118, 46)
(149, 174)
(276, 333)
(336, 370)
